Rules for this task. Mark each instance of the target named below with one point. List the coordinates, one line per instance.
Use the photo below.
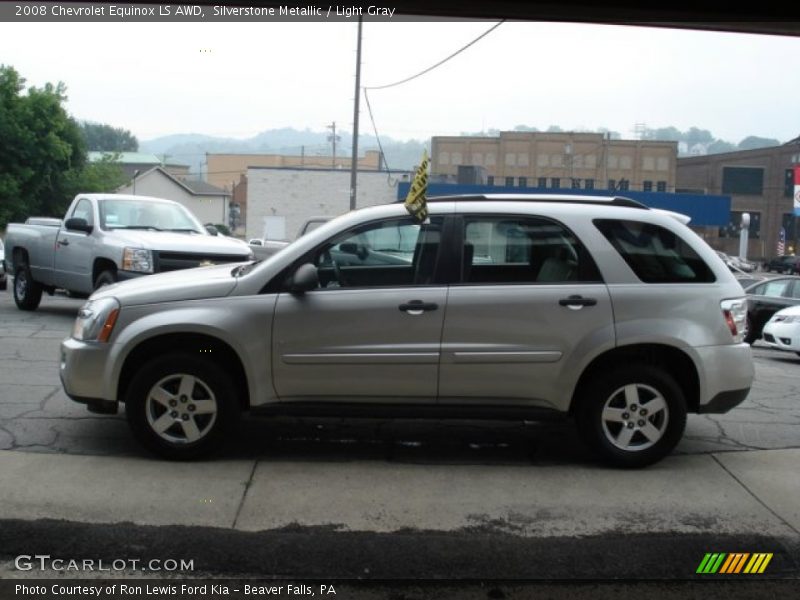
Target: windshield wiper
(142, 227)
(184, 230)
(243, 269)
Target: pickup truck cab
(106, 238)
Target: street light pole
(354, 159)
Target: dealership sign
(797, 190)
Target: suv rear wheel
(633, 416)
(180, 406)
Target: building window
(490, 180)
(576, 183)
(661, 186)
(648, 163)
(662, 163)
(647, 186)
(588, 184)
(743, 180)
(623, 185)
(511, 159)
(522, 160)
(788, 184)
(523, 182)
(735, 225)
(625, 163)
(555, 182)
(542, 160)
(612, 185)
(541, 182)
(509, 182)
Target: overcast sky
(237, 79)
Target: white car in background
(782, 331)
(3, 276)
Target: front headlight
(96, 320)
(137, 259)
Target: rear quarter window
(654, 253)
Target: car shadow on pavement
(414, 441)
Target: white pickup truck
(107, 238)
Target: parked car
(767, 297)
(782, 331)
(264, 248)
(783, 264)
(736, 264)
(3, 276)
(107, 238)
(511, 307)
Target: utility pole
(354, 158)
(333, 138)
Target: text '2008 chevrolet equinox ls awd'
(496, 306)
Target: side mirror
(304, 279)
(212, 230)
(78, 224)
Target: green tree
(105, 138)
(753, 142)
(43, 153)
(720, 146)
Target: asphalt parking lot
(391, 499)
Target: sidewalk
(753, 492)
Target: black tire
(105, 278)
(653, 433)
(27, 292)
(210, 384)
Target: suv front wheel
(180, 406)
(632, 416)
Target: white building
(207, 202)
(280, 200)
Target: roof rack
(565, 198)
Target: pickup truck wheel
(632, 416)
(105, 278)
(180, 406)
(27, 293)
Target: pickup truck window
(83, 210)
(156, 216)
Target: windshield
(147, 215)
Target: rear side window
(654, 253)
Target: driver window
(83, 210)
(399, 252)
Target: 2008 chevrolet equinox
(496, 306)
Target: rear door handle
(577, 302)
(417, 307)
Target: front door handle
(417, 307)
(577, 302)
(63, 242)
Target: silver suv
(521, 307)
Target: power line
(441, 62)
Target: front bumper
(82, 371)
(782, 335)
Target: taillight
(735, 314)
